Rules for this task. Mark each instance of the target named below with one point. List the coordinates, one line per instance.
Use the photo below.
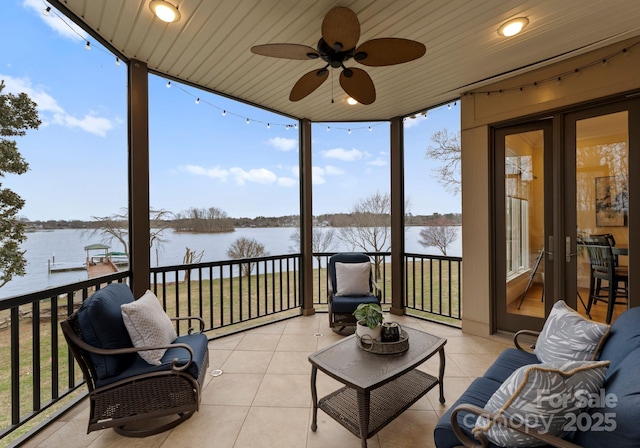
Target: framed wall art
(612, 201)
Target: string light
(561, 77)
(48, 10)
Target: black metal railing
(39, 372)
(433, 286)
(233, 293)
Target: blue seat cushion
(623, 338)
(623, 384)
(507, 362)
(348, 304)
(100, 320)
(478, 393)
(197, 342)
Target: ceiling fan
(340, 35)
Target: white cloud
(412, 122)
(54, 20)
(215, 173)
(283, 144)
(95, 125)
(242, 176)
(319, 174)
(343, 154)
(47, 104)
(287, 182)
(333, 170)
(379, 161)
(256, 175)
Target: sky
(205, 150)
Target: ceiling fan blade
(286, 51)
(388, 51)
(308, 83)
(341, 28)
(358, 86)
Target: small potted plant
(369, 320)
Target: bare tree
(371, 226)
(446, 148)
(190, 257)
(116, 227)
(246, 248)
(112, 227)
(203, 220)
(321, 240)
(441, 233)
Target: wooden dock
(103, 266)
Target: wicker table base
(378, 388)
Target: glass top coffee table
(378, 387)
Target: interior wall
(480, 110)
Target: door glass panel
(602, 208)
(524, 212)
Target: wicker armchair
(125, 392)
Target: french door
(556, 181)
(523, 225)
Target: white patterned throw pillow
(567, 335)
(148, 325)
(542, 397)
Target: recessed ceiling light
(164, 11)
(351, 101)
(513, 26)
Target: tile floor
(263, 398)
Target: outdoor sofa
(606, 417)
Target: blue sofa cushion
(478, 393)
(199, 344)
(348, 304)
(624, 337)
(508, 362)
(100, 319)
(615, 426)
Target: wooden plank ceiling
(210, 45)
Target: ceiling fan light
(351, 101)
(164, 11)
(513, 26)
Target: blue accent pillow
(100, 319)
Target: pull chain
(332, 87)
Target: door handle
(550, 251)
(567, 250)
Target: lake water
(66, 247)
